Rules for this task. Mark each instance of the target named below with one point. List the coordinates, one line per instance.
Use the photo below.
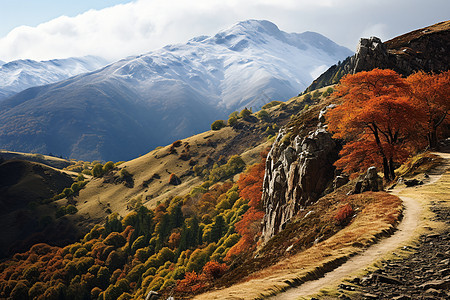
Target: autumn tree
(432, 93)
(377, 119)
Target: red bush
(214, 270)
(344, 214)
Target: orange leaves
(249, 227)
(193, 283)
(250, 184)
(344, 214)
(214, 270)
(377, 118)
(431, 93)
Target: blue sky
(47, 29)
(14, 13)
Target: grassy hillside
(24, 219)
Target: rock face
(371, 53)
(297, 173)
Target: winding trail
(407, 231)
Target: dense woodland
(180, 247)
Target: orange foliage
(250, 184)
(214, 270)
(378, 119)
(432, 93)
(344, 214)
(174, 240)
(192, 283)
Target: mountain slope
(19, 75)
(23, 185)
(138, 103)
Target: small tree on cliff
(432, 93)
(377, 120)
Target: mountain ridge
(18, 75)
(161, 96)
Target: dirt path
(408, 230)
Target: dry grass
(52, 161)
(419, 164)
(380, 213)
(98, 199)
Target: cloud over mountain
(138, 103)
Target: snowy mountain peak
(252, 28)
(18, 75)
(166, 94)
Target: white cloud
(144, 25)
(378, 30)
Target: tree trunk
(387, 174)
(432, 139)
(391, 169)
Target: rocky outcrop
(426, 49)
(369, 182)
(298, 171)
(371, 53)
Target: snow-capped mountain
(129, 107)
(19, 75)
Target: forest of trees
(180, 247)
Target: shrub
(344, 214)
(214, 270)
(71, 209)
(177, 143)
(234, 165)
(263, 115)
(217, 125)
(174, 179)
(124, 173)
(307, 97)
(108, 167)
(232, 120)
(97, 171)
(316, 94)
(245, 113)
(271, 104)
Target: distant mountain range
(19, 75)
(129, 107)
